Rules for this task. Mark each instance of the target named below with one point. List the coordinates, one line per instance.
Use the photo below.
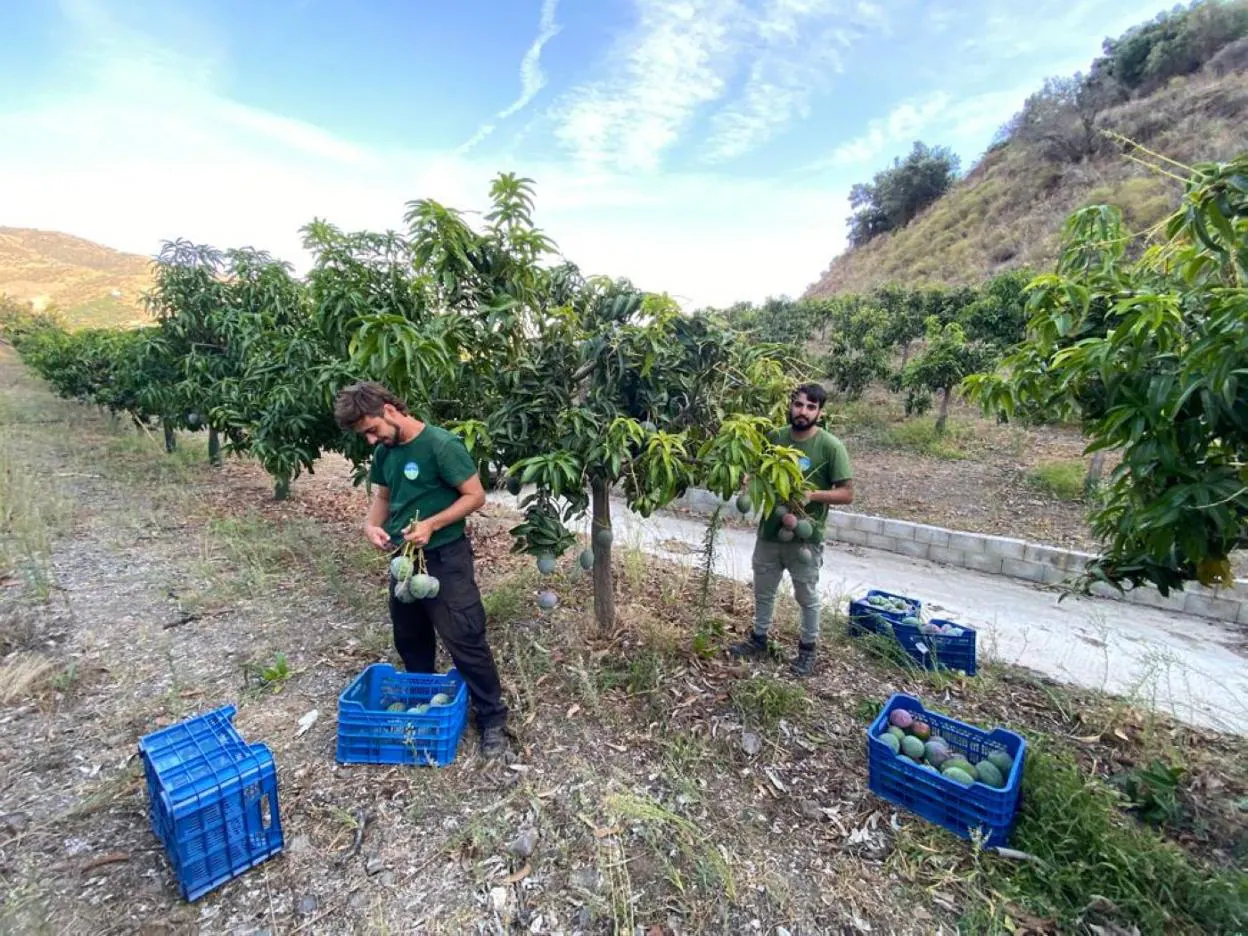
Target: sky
(703, 148)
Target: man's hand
(377, 536)
(420, 533)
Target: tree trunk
(214, 447)
(905, 355)
(281, 489)
(604, 583)
(944, 411)
(171, 441)
(1094, 473)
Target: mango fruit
(890, 740)
(912, 747)
(1002, 761)
(958, 775)
(896, 732)
(901, 718)
(986, 772)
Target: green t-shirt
(423, 474)
(825, 461)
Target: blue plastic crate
(863, 617)
(368, 734)
(939, 650)
(212, 800)
(927, 650)
(933, 796)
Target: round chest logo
(804, 462)
(411, 471)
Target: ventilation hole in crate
(266, 815)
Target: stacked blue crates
(929, 650)
(927, 793)
(369, 733)
(212, 800)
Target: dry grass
(24, 675)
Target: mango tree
(1149, 356)
(947, 358)
(191, 348)
(618, 389)
(270, 404)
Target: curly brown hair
(362, 399)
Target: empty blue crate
(212, 800)
(415, 732)
(928, 793)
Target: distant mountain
(89, 284)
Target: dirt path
(670, 791)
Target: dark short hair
(814, 392)
(363, 399)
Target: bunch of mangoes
(437, 701)
(911, 738)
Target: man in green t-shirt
(425, 473)
(825, 463)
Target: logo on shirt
(804, 462)
(411, 471)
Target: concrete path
(1189, 667)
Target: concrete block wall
(998, 555)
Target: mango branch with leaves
(1150, 355)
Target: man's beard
(394, 436)
(800, 422)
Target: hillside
(90, 284)
(1008, 210)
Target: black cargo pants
(458, 617)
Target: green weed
(763, 700)
(1062, 479)
(920, 435)
(1090, 864)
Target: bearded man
(423, 473)
(825, 463)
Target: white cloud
(677, 59)
(898, 126)
(532, 78)
(796, 56)
(684, 55)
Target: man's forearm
(837, 495)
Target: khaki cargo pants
(771, 560)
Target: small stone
(751, 743)
(498, 899)
(307, 905)
(587, 879)
(810, 809)
(583, 918)
(783, 931)
(524, 843)
(300, 844)
(387, 879)
(374, 866)
(14, 823)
